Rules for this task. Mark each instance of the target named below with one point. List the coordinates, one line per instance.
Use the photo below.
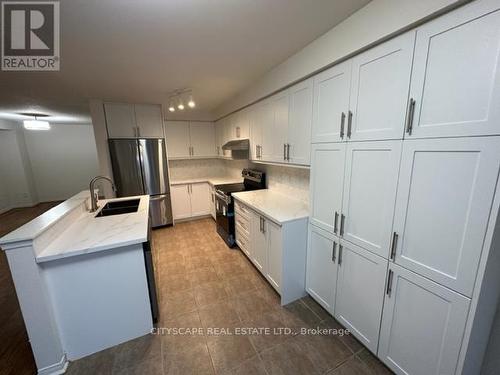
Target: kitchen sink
(119, 207)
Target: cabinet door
(258, 115)
(178, 143)
(445, 193)
(321, 267)
(241, 127)
(259, 242)
(331, 103)
(299, 124)
(202, 135)
(274, 255)
(120, 120)
(200, 199)
(360, 293)
(379, 91)
(371, 179)
(422, 325)
(219, 135)
(181, 201)
(327, 181)
(149, 120)
(226, 135)
(456, 75)
(275, 128)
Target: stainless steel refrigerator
(140, 167)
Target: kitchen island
(81, 279)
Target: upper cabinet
(455, 88)
(365, 98)
(275, 127)
(149, 120)
(299, 123)
(133, 120)
(190, 140)
(331, 103)
(379, 90)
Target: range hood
(237, 145)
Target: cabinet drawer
(243, 223)
(242, 209)
(242, 241)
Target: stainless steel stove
(224, 203)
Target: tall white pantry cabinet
(404, 246)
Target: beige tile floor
(205, 285)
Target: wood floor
(16, 357)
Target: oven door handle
(221, 196)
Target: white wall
(16, 181)
(378, 20)
(63, 160)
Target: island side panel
(100, 299)
(36, 308)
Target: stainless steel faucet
(93, 195)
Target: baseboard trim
(55, 369)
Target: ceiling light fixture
(171, 105)
(180, 104)
(36, 124)
(191, 102)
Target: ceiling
(140, 51)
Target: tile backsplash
(288, 180)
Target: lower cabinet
(348, 281)
(191, 200)
(277, 251)
(321, 280)
(422, 326)
(360, 292)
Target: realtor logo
(30, 35)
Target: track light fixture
(178, 98)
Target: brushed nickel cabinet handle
(284, 151)
(389, 283)
(335, 221)
(341, 250)
(409, 119)
(333, 251)
(394, 245)
(342, 221)
(349, 125)
(342, 122)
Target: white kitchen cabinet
(371, 179)
(423, 325)
(149, 120)
(133, 120)
(321, 273)
(240, 126)
(191, 200)
(275, 128)
(120, 120)
(331, 103)
(278, 251)
(202, 135)
(274, 255)
(360, 292)
(259, 242)
(379, 90)
(178, 141)
(181, 201)
(299, 123)
(260, 118)
(444, 198)
(200, 199)
(190, 140)
(326, 185)
(456, 74)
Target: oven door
(224, 213)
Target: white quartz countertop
(35, 227)
(276, 206)
(90, 234)
(211, 180)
